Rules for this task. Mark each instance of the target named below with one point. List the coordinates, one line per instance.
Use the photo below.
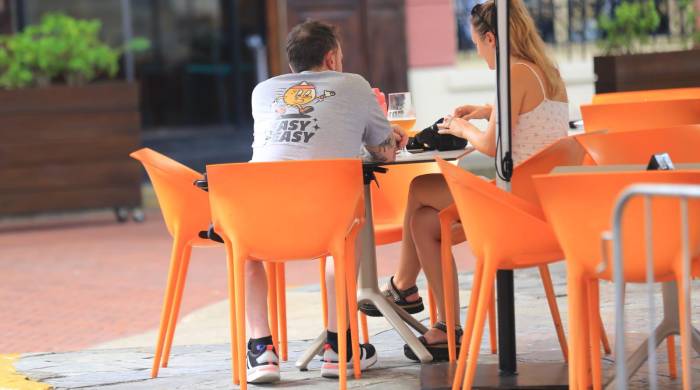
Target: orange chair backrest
(640, 115)
(390, 193)
(682, 143)
(648, 95)
(287, 210)
(185, 207)
(579, 206)
(564, 152)
(497, 223)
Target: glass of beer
(402, 113)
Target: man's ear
(330, 61)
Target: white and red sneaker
(330, 367)
(263, 364)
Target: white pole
(503, 155)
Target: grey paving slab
(209, 366)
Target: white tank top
(539, 127)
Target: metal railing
(572, 25)
(649, 191)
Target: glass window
(198, 70)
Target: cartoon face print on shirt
(293, 107)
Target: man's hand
(400, 136)
(469, 112)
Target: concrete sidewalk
(207, 366)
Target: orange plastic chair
(568, 200)
(282, 211)
(640, 115)
(505, 232)
(646, 96)
(185, 210)
(636, 147)
(566, 151)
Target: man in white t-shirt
(316, 112)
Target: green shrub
(631, 26)
(688, 9)
(59, 48)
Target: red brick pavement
(72, 282)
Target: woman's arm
(485, 141)
(469, 112)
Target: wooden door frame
(277, 26)
(276, 16)
(6, 17)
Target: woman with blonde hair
(539, 116)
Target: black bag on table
(429, 139)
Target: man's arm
(385, 151)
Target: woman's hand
(452, 125)
(473, 112)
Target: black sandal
(439, 351)
(399, 297)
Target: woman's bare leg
(426, 190)
(425, 226)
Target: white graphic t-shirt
(315, 115)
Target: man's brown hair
(309, 42)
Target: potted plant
(624, 68)
(65, 141)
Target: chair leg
(554, 309)
(684, 321)
(351, 286)
(586, 346)
(365, 329)
(232, 313)
(239, 264)
(324, 290)
(431, 306)
(485, 288)
(341, 312)
(282, 306)
(594, 333)
(175, 312)
(272, 309)
(579, 346)
(671, 348)
(575, 291)
(492, 324)
(448, 288)
(173, 272)
(468, 325)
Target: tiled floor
(74, 281)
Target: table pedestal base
(439, 376)
(669, 326)
(368, 291)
